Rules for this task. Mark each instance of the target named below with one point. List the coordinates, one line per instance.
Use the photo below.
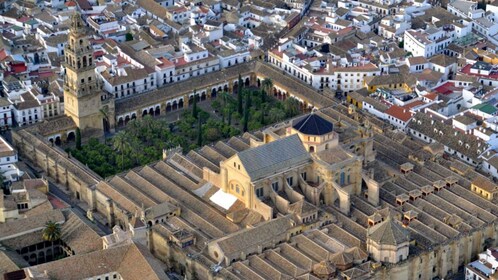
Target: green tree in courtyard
(276, 115)
(128, 37)
(239, 95)
(245, 121)
(291, 107)
(267, 87)
(194, 105)
(121, 144)
(52, 231)
(199, 132)
(264, 108)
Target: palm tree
(267, 87)
(230, 108)
(52, 231)
(276, 115)
(121, 144)
(291, 107)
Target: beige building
(83, 97)
(331, 194)
(294, 172)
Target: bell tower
(82, 92)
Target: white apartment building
(465, 9)
(229, 57)
(393, 27)
(484, 268)
(27, 109)
(102, 24)
(5, 113)
(432, 40)
(320, 71)
(126, 81)
(8, 159)
(490, 163)
(426, 43)
(485, 26)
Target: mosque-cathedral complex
(330, 194)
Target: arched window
(342, 178)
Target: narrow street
(56, 192)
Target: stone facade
(82, 91)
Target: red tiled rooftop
(431, 96)
(321, 28)
(344, 30)
(23, 19)
(165, 63)
(180, 61)
(447, 88)
(98, 53)
(399, 113)
(414, 104)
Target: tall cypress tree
(263, 110)
(239, 95)
(199, 133)
(246, 110)
(194, 106)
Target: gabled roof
(268, 159)
(389, 232)
(399, 113)
(313, 125)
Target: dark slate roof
(389, 232)
(273, 157)
(313, 125)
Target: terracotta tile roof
(136, 102)
(61, 123)
(485, 184)
(20, 226)
(130, 261)
(399, 113)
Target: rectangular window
(303, 175)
